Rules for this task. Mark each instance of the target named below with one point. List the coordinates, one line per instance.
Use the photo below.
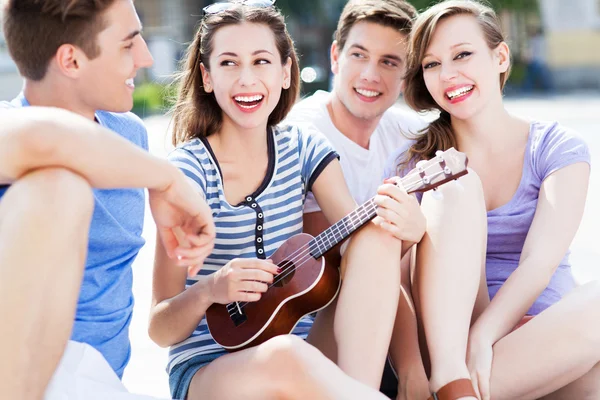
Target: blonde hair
(439, 134)
(196, 112)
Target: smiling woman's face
(246, 74)
(460, 71)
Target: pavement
(146, 371)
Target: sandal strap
(455, 390)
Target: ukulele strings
(295, 264)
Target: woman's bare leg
(448, 274)
(44, 223)
(405, 351)
(365, 309)
(559, 348)
(284, 367)
(321, 333)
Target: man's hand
(184, 222)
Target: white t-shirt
(363, 168)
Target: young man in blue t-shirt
(79, 56)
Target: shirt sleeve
(315, 154)
(138, 125)
(191, 167)
(556, 147)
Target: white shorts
(83, 373)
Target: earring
(286, 85)
(207, 88)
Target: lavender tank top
(550, 147)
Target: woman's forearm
(173, 320)
(512, 301)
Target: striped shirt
(257, 226)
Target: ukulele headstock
(429, 174)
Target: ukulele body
(306, 286)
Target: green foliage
(152, 98)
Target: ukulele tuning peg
(458, 185)
(421, 165)
(437, 195)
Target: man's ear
(503, 56)
(206, 79)
(69, 60)
(335, 56)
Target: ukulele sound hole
(288, 269)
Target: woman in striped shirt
(240, 81)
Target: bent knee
(283, 345)
(284, 352)
(591, 298)
(460, 200)
(54, 192)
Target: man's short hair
(397, 14)
(35, 29)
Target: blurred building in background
(566, 44)
(572, 29)
(10, 81)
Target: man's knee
(55, 193)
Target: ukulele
(307, 284)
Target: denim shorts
(181, 375)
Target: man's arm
(34, 138)
(38, 137)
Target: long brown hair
(439, 134)
(196, 113)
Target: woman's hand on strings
(242, 280)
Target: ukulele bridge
(236, 313)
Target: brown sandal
(455, 390)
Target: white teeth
(248, 99)
(458, 92)
(367, 93)
(248, 107)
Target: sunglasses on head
(216, 8)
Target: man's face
(106, 82)
(369, 69)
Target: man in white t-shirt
(361, 120)
(359, 117)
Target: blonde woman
(505, 234)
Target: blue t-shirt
(105, 302)
(550, 147)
